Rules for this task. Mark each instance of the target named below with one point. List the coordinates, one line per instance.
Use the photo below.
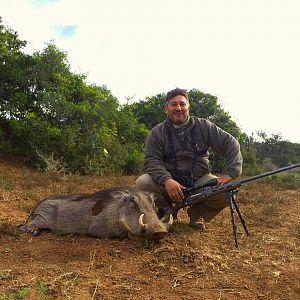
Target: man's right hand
(174, 189)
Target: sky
(245, 52)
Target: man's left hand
(224, 179)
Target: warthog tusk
(141, 223)
(166, 221)
(171, 220)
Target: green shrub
(134, 162)
(287, 180)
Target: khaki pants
(206, 210)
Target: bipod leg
(239, 214)
(229, 196)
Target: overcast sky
(245, 52)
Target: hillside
(187, 264)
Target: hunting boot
(196, 221)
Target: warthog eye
(132, 203)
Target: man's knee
(146, 183)
(205, 178)
(209, 208)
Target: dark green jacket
(207, 134)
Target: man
(176, 157)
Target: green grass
(7, 228)
(42, 289)
(23, 293)
(287, 180)
(6, 183)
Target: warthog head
(138, 216)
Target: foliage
(48, 112)
(23, 293)
(208, 107)
(286, 180)
(6, 228)
(278, 151)
(53, 117)
(42, 289)
(13, 72)
(149, 111)
(250, 166)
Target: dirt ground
(187, 264)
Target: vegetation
(56, 120)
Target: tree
(14, 68)
(149, 111)
(278, 151)
(208, 107)
(48, 111)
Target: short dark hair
(176, 92)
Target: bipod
(230, 196)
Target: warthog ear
(152, 197)
(119, 194)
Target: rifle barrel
(269, 173)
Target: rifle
(200, 193)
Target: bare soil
(187, 264)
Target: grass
(287, 180)
(6, 183)
(271, 210)
(6, 228)
(186, 264)
(5, 274)
(297, 231)
(23, 293)
(42, 289)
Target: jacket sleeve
(226, 145)
(153, 161)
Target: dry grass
(187, 264)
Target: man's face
(177, 109)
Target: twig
(60, 276)
(175, 284)
(181, 276)
(187, 273)
(95, 289)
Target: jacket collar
(190, 124)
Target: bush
(286, 180)
(32, 134)
(134, 162)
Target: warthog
(104, 214)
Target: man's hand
(224, 179)
(174, 189)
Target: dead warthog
(108, 213)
